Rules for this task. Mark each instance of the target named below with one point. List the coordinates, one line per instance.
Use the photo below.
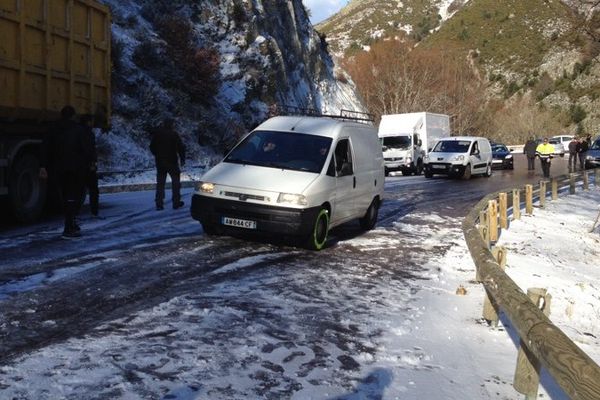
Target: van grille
(245, 196)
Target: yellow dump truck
(52, 53)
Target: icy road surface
(145, 306)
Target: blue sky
(321, 9)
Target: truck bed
(54, 53)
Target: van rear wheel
(318, 236)
(370, 219)
(488, 171)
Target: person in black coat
(529, 151)
(583, 150)
(67, 153)
(169, 152)
(574, 149)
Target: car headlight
(589, 158)
(289, 198)
(408, 160)
(426, 158)
(459, 158)
(508, 157)
(206, 187)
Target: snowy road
(146, 306)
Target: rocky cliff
(217, 67)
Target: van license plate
(239, 223)
(439, 166)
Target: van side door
(477, 163)
(345, 186)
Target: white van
(295, 176)
(460, 156)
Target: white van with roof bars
(460, 156)
(297, 176)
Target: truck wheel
(467, 174)
(370, 219)
(27, 190)
(318, 235)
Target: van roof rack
(348, 115)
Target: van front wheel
(467, 174)
(370, 219)
(318, 235)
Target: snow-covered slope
(266, 53)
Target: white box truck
(407, 138)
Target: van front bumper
(269, 219)
(445, 168)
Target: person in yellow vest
(545, 152)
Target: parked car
(559, 148)
(501, 157)
(593, 156)
(564, 140)
(460, 156)
(296, 176)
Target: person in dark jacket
(583, 150)
(67, 154)
(529, 151)
(574, 148)
(91, 173)
(166, 146)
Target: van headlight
(589, 158)
(508, 156)
(459, 158)
(289, 198)
(206, 187)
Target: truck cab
(403, 153)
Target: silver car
(559, 148)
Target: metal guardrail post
(572, 183)
(542, 194)
(586, 181)
(516, 204)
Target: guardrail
(542, 343)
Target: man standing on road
(166, 146)
(583, 150)
(574, 148)
(68, 153)
(529, 151)
(545, 151)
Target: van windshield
(282, 150)
(452, 146)
(396, 142)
